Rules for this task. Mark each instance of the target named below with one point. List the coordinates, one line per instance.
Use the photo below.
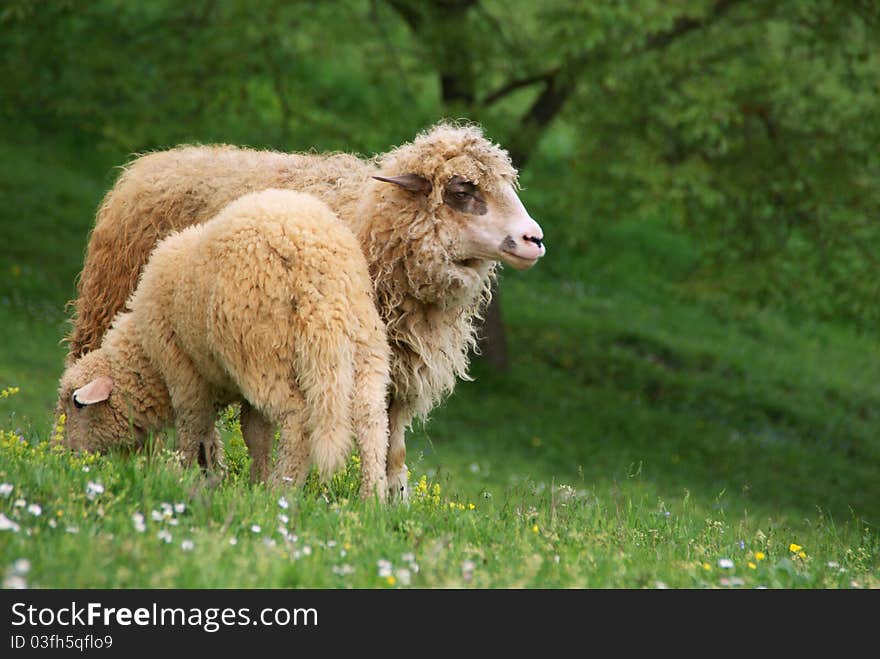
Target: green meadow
(649, 433)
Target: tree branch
(514, 85)
(561, 83)
(685, 24)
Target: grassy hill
(646, 434)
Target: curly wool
(430, 308)
(270, 302)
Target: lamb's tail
(326, 375)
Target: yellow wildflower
(752, 566)
(390, 580)
(794, 548)
(59, 428)
(535, 528)
(707, 567)
(802, 554)
(760, 556)
(471, 506)
(9, 391)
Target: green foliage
(749, 126)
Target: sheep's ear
(94, 392)
(411, 182)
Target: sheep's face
(94, 408)
(492, 225)
(480, 222)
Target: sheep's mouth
(471, 263)
(518, 262)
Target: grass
(646, 435)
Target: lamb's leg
(399, 419)
(370, 417)
(258, 434)
(194, 407)
(294, 456)
(197, 437)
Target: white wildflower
(342, 570)
(94, 490)
(467, 570)
(404, 576)
(179, 508)
(725, 563)
(52, 523)
(187, 545)
(35, 509)
(72, 529)
(139, 523)
(284, 519)
(282, 501)
(156, 516)
(384, 567)
(14, 582)
(164, 535)
(22, 566)
(233, 541)
(6, 489)
(408, 557)
(20, 503)
(307, 551)
(255, 528)
(7, 524)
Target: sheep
(433, 217)
(270, 302)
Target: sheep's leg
(399, 419)
(294, 456)
(370, 417)
(194, 407)
(258, 433)
(197, 436)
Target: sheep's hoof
(379, 490)
(398, 488)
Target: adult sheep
(433, 217)
(269, 302)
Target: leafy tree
(747, 125)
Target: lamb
(270, 302)
(433, 218)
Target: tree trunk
(493, 336)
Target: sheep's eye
(461, 194)
(77, 404)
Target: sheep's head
(463, 188)
(96, 411)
